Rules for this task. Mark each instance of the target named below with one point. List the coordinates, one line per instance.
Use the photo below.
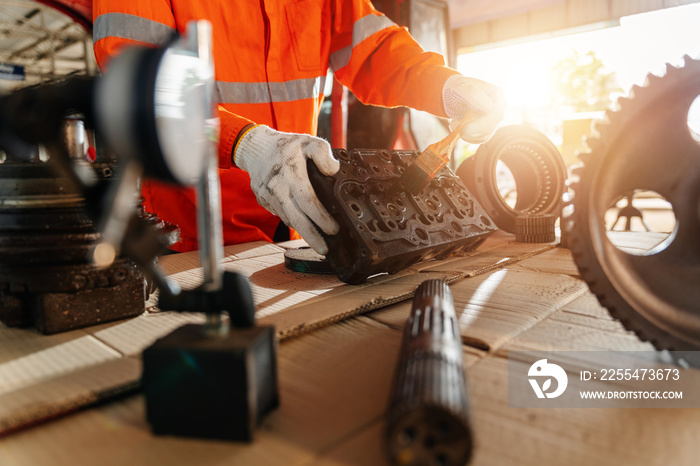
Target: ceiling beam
(49, 36)
(9, 29)
(555, 17)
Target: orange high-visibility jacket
(271, 59)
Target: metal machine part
(647, 144)
(383, 228)
(226, 378)
(175, 97)
(75, 137)
(306, 260)
(565, 222)
(215, 388)
(153, 107)
(166, 230)
(200, 382)
(535, 228)
(428, 419)
(135, 127)
(628, 213)
(46, 278)
(232, 382)
(537, 169)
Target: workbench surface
(337, 356)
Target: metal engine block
(383, 228)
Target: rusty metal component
(647, 145)
(383, 228)
(168, 231)
(535, 228)
(59, 298)
(537, 169)
(46, 280)
(428, 418)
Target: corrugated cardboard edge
(57, 397)
(379, 303)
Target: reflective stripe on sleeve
(361, 30)
(261, 92)
(126, 26)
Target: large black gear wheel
(645, 145)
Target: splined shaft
(428, 414)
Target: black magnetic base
(211, 387)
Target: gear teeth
(583, 154)
(585, 157)
(597, 133)
(602, 144)
(602, 123)
(612, 119)
(535, 228)
(577, 170)
(593, 145)
(615, 106)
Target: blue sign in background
(11, 72)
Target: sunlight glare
(640, 45)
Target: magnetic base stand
(197, 385)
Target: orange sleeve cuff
(231, 126)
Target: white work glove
(460, 94)
(276, 163)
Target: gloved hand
(276, 163)
(460, 94)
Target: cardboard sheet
(335, 382)
(295, 303)
(335, 385)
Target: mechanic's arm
(383, 65)
(276, 163)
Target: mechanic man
(271, 59)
